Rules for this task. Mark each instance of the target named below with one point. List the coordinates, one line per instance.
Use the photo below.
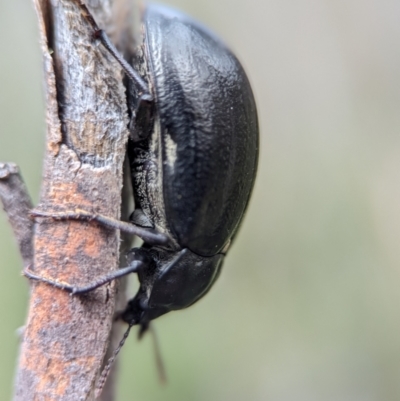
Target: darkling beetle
(193, 156)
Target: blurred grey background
(308, 305)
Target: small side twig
(17, 203)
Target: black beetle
(193, 156)
(194, 169)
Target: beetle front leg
(134, 267)
(141, 85)
(148, 235)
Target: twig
(17, 203)
(66, 337)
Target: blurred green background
(308, 305)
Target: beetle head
(169, 281)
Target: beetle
(193, 153)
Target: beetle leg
(132, 268)
(129, 71)
(148, 235)
(105, 40)
(162, 373)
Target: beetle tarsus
(132, 268)
(148, 235)
(63, 286)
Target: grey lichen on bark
(66, 337)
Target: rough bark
(66, 337)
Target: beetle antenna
(107, 369)
(162, 374)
